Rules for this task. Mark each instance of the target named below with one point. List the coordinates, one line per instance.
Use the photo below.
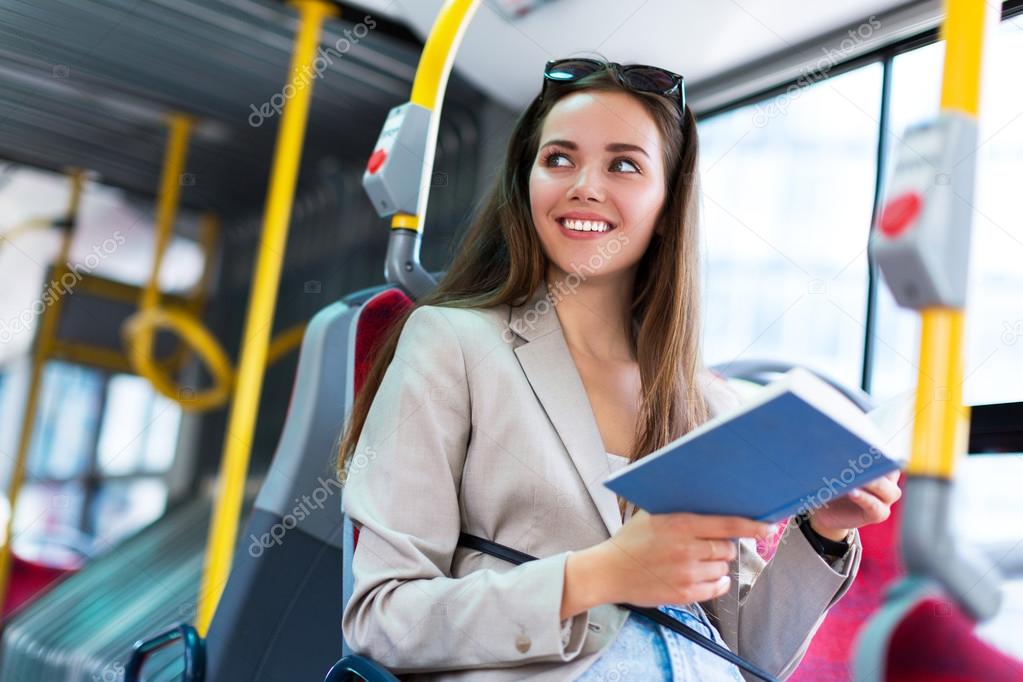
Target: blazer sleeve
(406, 611)
(773, 609)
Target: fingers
(720, 527)
(706, 590)
(874, 509)
(891, 476)
(705, 571)
(719, 550)
(883, 488)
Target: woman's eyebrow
(623, 147)
(613, 147)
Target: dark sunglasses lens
(571, 69)
(649, 79)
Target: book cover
(798, 444)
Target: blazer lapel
(551, 371)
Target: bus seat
(279, 615)
(30, 579)
(83, 626)
(378, 315)
(921, 636)
(954, 652)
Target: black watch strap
(822, 545)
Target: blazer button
(522, 643)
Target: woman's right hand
(679, 558)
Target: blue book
(796, 445)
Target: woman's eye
(549, 159)
(617, 164)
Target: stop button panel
(922, 238)
(394, 171)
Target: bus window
(66, 422)
(788, 189)
(142, 437)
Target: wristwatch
(834, 549)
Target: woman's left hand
(870, 503)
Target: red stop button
(900, 213)
(376, 160)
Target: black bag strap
(516, 557)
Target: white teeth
(585, 225)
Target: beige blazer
(482, 424)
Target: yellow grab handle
(139, 332)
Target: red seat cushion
(376, 318)
(935, 642)
(29, 579)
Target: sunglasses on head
(639, 77)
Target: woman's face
(599, 167)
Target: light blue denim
(644, 650)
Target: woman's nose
(587, 185)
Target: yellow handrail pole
(209, 227)
(429, 86)
(941, 428)
(259, 320)
(140, 348)
(168, 200)
(27, 226)
(45, 339)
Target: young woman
(562, 343)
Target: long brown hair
(500, 260)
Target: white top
(616, 462)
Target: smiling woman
(566, 328)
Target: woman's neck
(595, 315)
